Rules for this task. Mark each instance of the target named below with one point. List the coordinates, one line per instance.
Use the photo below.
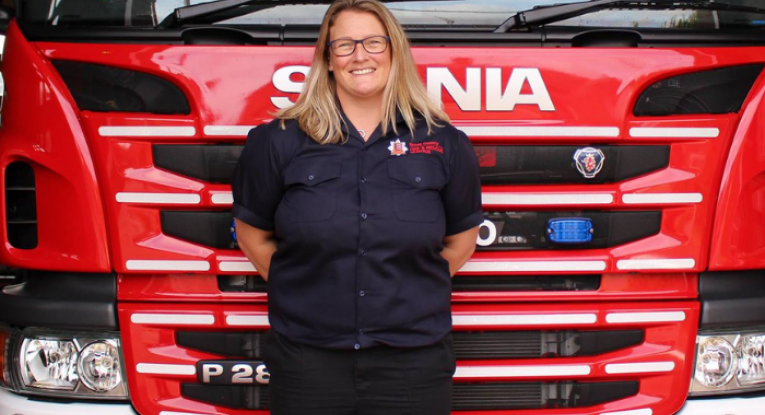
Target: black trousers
(307, 380)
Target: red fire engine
(620, 266)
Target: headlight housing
(729, 362)
(63, 364)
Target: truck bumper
(12, 404)
(725, 405)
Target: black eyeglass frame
(355, 43)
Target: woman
(357, 205)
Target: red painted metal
(40, 126)
(233, 86)
(663, 392)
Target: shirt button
(361, 331)
(362, 293)
(363, 180)
(362, 252)
(363, 215)
(418, 179)
(310, 177)
(357, 346)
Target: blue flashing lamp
(232, 229)
(570, 230)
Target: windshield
(480, 14)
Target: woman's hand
(258, 245)
(458, 248)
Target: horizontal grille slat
(467, 344)
(525, 283)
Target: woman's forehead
(356, 25)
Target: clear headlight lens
(99, 366)
(63, 364)
(49, 364)
(731, 362)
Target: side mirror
(6, 14)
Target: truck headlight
(64, 364)
(729, 362)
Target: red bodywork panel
(232, 86)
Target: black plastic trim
(212, 163)
(549, 36)
(732, 299)
(61, 300)
(246, 345)
(211, 229)
(229, 396)
(461, 283)
(507, 164)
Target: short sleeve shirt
(359, 228)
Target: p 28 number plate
(232, 372)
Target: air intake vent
(719, 91)
(21, 205)
(537, 395)
(525, 283)
(205, 228)
(477, 345)
(109, 89)
(241, 284)
(211, 163)
(466, 396)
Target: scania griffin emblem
(589, 161)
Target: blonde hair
(316, 109)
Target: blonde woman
(357, 205)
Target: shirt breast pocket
(311, 189)
(416, 184)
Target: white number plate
(232, 372)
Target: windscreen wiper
(188, 14)
(548, 14)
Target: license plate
(232, 372)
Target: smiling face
(360, 76)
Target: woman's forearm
(458, 248)
(258, 245)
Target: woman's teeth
(362, 71)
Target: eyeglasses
(346, 46)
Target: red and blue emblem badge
(589, 161)
(397, 148)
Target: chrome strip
(663, 198)
(646, 367)
(522, 319)
(163, 369)
(165, 198)
(223, 198)
(253, 321)
(174, 319)
(236, 266)
(546, 199)
(645, 264)
(521, 371)
(146, 131)
(526, 266)
(228, 130)
(675, 132)
(646, 317)
(161, 265)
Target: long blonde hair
(316, 109)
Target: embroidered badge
(589, 161)
(426, 147)
(397, 148)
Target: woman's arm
(258, 245)
(458, 248)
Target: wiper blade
(188, 14)
(548, 14)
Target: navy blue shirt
(359, 229)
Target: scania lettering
(620, 266)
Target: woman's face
(360, 75)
